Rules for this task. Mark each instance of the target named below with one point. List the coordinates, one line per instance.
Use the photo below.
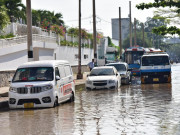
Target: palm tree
(51, 17)
(15, 9)
(3, 16)
(58, 19)
(36, 19)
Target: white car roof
(43, 63)
(103, 67)
(117, 63)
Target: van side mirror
(58, 78)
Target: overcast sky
(105, 10)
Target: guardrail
(23, 39)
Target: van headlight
(47, 87)
(13, 89)
(111, 81)
(89, 82)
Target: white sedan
(103, 77)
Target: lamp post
(94, 33)
(29, 30)
(79, 75)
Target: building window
(85, 56)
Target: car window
(119, 67)
(61, 71)
(67, 70)
(57, 72)
(102, 71)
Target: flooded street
(136, 109)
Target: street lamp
(29, 30)
(79, 75)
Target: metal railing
(23, 39)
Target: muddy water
(136, 109)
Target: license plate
(155, 79)
(28, 105)
(134, 73)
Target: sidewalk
(4, 90)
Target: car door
(60, 83)
(67, 90)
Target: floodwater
(136, 109)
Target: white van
(42, 84)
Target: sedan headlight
(111, 81)
(13, 89)
(89, 82)
(47, 87)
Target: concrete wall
(4, 77)
(71, 54)
(46, 54)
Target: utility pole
(143, 34)
(135, 41)
(79, 75)
(94, 33)
(130, 25)
(29, 30)
(120, 38)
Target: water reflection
(133, 109)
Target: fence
(23, 39)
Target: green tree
(15, 9)
(4, 19)
(173, 13)
(72, 32)
(139, 40)
(57, 19)
(150, 24)
(36, 19)
(51, 17)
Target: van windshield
(155, 60)
(33, 74)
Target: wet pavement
(135, 109)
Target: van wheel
(56, 102)
(72, 98)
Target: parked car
(42, 84)
(103, 77)
(123, 70)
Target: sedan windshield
(102, 71)
(119, 67)
(33, 74)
